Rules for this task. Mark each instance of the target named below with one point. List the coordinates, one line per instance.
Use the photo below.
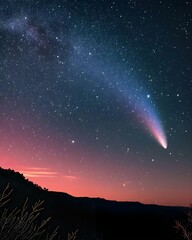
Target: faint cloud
(39, 172)
(70, 177)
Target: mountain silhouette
(95, 218)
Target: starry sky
(95, 97)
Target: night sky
(96, 96)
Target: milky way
(88, 89)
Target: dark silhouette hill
(95, 218)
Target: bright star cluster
(95, 97)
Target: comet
(147, 115)
(124, 86)
(155, 127)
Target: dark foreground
(96, 219)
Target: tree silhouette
(186, 228)
(22, 224)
